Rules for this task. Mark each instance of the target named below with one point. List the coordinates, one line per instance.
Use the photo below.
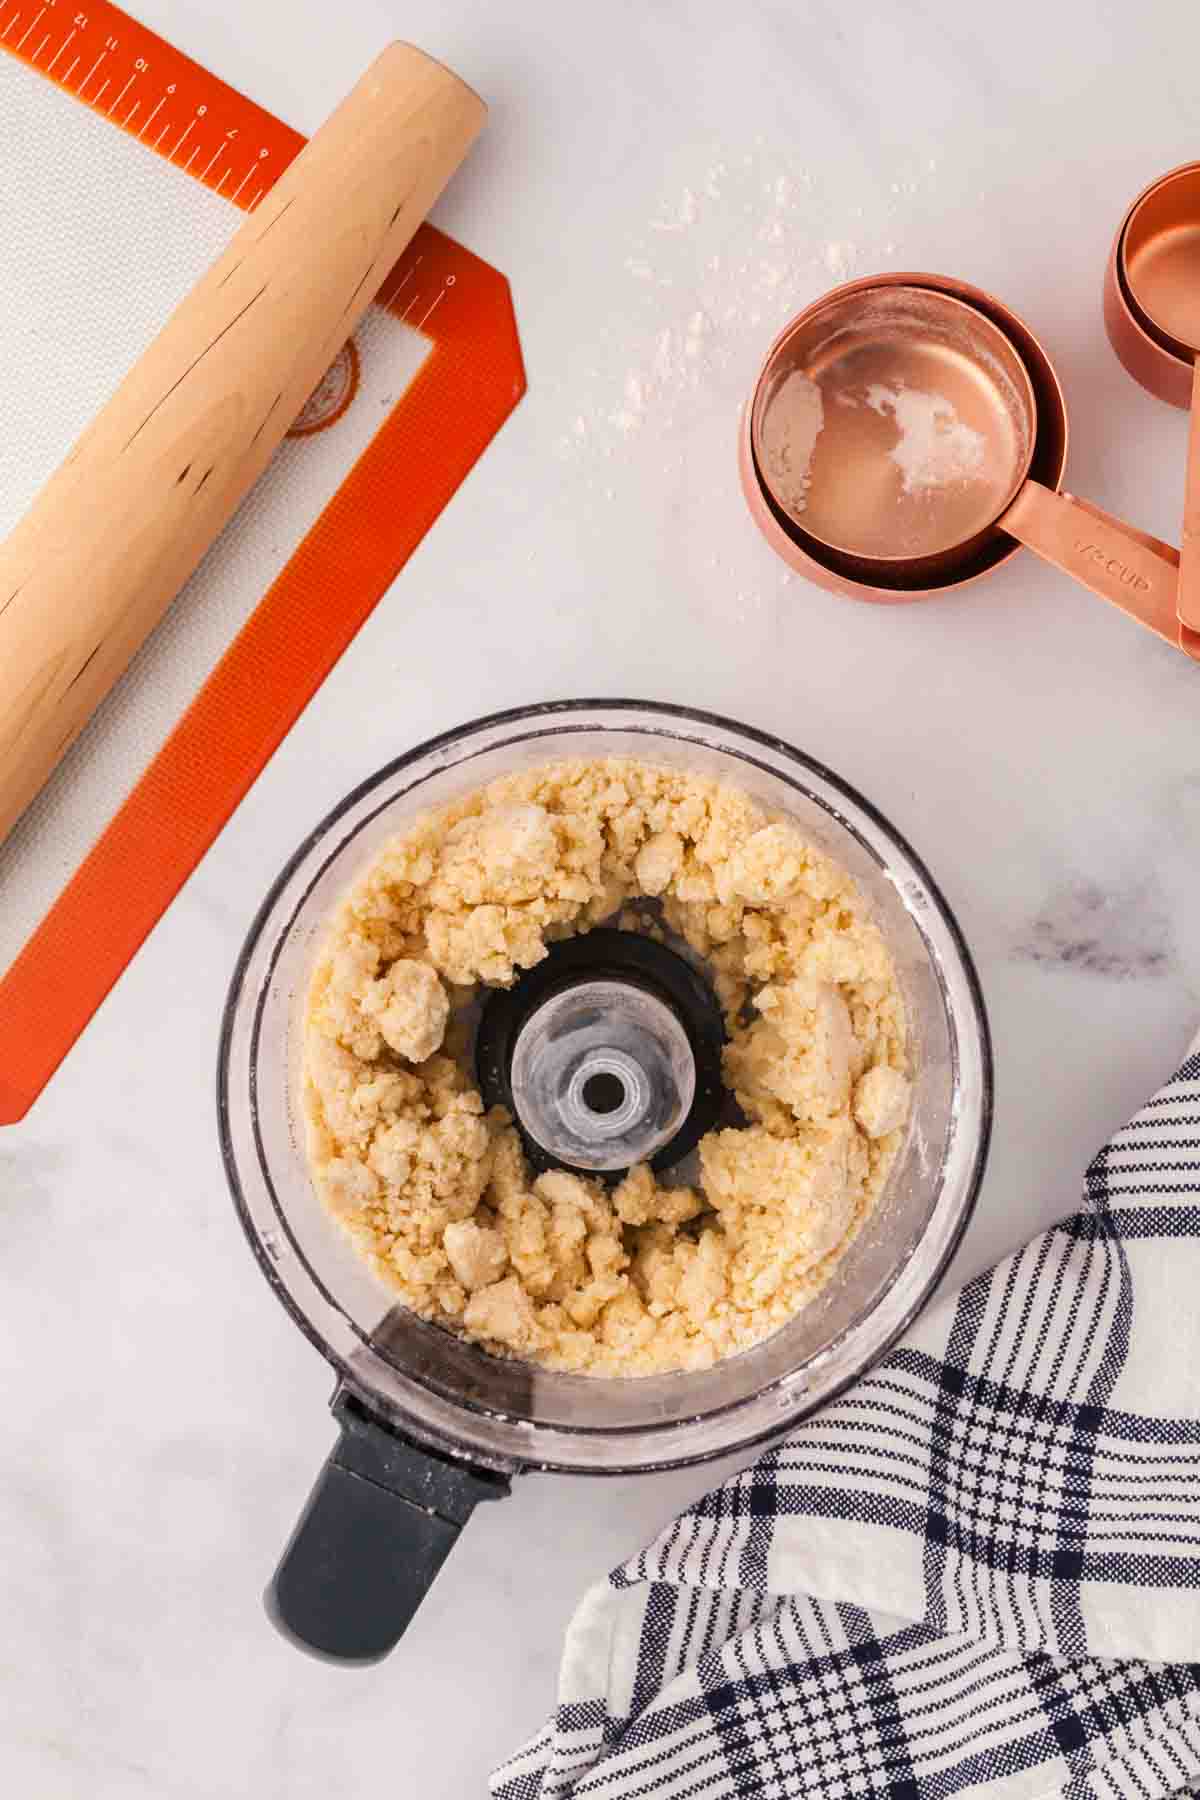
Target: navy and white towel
(977, 1573)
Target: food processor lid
(607, 1053)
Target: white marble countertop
(163, 1417)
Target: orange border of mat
(474, 375)
(127, 73)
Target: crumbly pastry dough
(635, 1278)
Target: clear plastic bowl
(504, 1415)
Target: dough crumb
(881, 1101)
(410, 1007)
(504, 1313)
(784, 1203)
(769, 868)
(799, 1053)
(660, 858)
(476, 1253)
(636, 1276)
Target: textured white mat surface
(102, 237)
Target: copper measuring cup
(860, 533)
(1152, 313)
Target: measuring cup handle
(1189, 548)
(381, 1520)
(1136, 572)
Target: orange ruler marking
(127, 73)
(470, 381)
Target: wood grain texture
(122, 523)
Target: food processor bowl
(432, 1424)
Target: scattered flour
(934, 447)
(791, 426)
(723, 262)
(629, 417)
(840, 259)
(686, 213)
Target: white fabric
(977, 1573)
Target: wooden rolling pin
(120, 526)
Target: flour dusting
(713, 264)
(629, 416)
(935, 447)
(686, 213)
(792, 423)
(840, 259)
(720, 266)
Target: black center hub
(607, 1053)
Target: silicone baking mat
(124, 168)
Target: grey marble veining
(1118, 932)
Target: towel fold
(978, 1572)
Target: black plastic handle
(381, 1520)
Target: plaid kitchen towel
(976, 1573)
